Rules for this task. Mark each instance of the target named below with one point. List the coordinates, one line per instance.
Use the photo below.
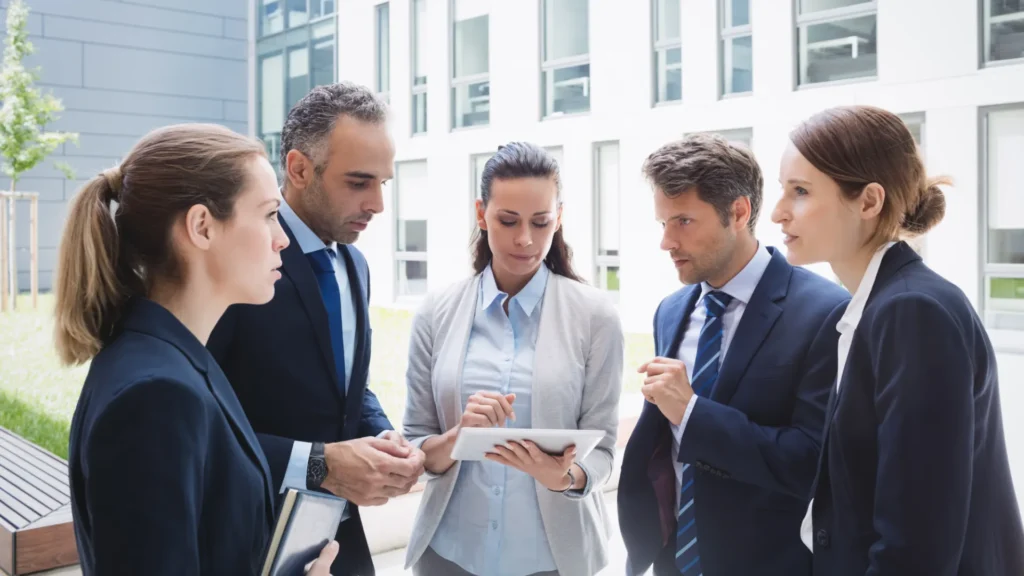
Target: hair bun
(115, 180)
(931, 207)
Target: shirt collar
(855, 308)
(307, 239)
(742, 285)
(528, 297)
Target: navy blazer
(754, 441)
(279, 360)
(914, 478)
(167, 476)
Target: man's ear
(299, 169)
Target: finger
(643, 367)
(504, 403)
(508, 455)
(522, 453)
(488, 408)
(536, 454)
(500, 460)
(655, 368)
(322, 565)
(502, 409)
(388, 447)
(474, 420)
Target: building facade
(602, 84)
(122, 69)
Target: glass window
(1004, 215)
(1003, 23)
(271, 17)
(606, 202)
(668, 52)
(471, 87)
(383, 51)
(411, 210)
(737, 42)
(271, 104)
(322, 54)
(419, 70)
(837, 39)
(565, 72)
(298, 74)
(320, 8)
(298, 14)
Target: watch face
(317, 470)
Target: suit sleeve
(146, 458)
(924, 405)
(421, 420)
(373, 420)
(781, 458)
(601, 390)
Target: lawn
(38, 395)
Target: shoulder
(357, 257)
(916, 301)
(807, 285)
(440, 304)
(584, 297)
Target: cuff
(686, 418)
(295, 473)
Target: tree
(26, 110)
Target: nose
(375, 203)
(667, 243)
(280, 239)
(780, 213)
(523, 237)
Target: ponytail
(89, 292)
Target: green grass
(38, 395)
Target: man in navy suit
(300, 364)
(717, 473)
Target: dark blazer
(278, 358)
(914, 478)
(167, 476)
(754, 441)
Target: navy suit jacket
(914, 478)
(754, 442)
(167, 476)
(279, 360)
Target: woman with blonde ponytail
(167, 476)
(913, 477)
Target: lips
(787, 238)
(521, 257)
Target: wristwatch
(316, 467)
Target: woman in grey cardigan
(525, 344)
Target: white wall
(928, 62)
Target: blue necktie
(323, 268)
(705, 372)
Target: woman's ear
(480, 211)
(199, 226)
(872, 199)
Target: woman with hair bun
(914, 477)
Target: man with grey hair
(728, 441)
(300, 363)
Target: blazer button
(821, 538)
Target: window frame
(548, 68)
(418, 90)
(802, 22)
(602, 262)
(458, 82)
(986, 35)
(727, 34)
(378, 60)
(989, 271)
(660, 48)
(400, 257)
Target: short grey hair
(719, 171)
(311, 121)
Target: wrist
(565, 483)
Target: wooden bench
(36, 532)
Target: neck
(191, 305)
(851, 270)
(292, 198)
(746, 247)
(510, 284)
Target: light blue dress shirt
(492, 525)
(295, 473)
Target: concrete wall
(123, 68)
(928, 63)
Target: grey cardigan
(577, 380)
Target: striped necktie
(709, 353)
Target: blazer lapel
(675, 318)
(361, 359)
(760, 315)
(297, 268)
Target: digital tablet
(475, 443)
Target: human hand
(322, 565)
(551, 471)
(487, 410)
(369, 471)
(667, 387)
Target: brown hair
(719, 171)
(860, 145)
(522, 160)
(107, 256)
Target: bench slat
(8, 492)
(19, 507)
(37, 456)
(12, 517)
(27, 487)
(29, 472)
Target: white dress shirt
(741, 288)
(847, 326)
(295, 473)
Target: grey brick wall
(122, 68)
